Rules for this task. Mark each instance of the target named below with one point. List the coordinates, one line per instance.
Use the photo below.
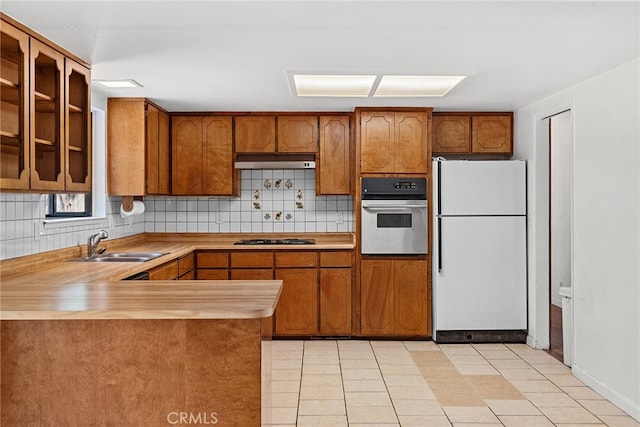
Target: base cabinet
(394, 298)
(335, 301)
(297, 310)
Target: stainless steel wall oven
(394, 216)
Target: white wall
(606, 218)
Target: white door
(480, 273)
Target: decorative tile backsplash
(270, 201)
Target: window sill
(70, 222)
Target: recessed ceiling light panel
(333, 85)
(118, 84)
(416, 86)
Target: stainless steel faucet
(94, 241)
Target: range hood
(275, 161)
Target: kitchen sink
(121, 257)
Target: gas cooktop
(275, 242)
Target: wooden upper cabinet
(255, 134)
(202, 155)
(393, 142)
(297, 134)
(14, 108)
(77, 126)
(473, 133)
(137, 147)
(333, 167)
(451, 134)
(492, 134)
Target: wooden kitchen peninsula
(132, 353)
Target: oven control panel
(394, 188)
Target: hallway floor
(419, 383)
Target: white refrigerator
(479, 255)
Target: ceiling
(237, 55)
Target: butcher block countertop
(48, 286)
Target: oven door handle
(392, 207)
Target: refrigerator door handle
(439, 245)
(439, 195)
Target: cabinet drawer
(213, 274)
(335, 259)
(185, 264)
(188, 276)
(213, 260)
(252, 259)
(296, 259)
(252, 274)
(167, 271)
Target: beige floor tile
(390, 369)
(565, 380)
(287, 345)
(321, 392)
(364, 385)
(387, 344)
(551, 400)
(553, 369)
(566, 415)
(286, 386)
(585, 393)
(476, 424)
(395, 360)
(521, 348)
(325, 379)
(286, 364)
(521, 374)
(540, 386)
(470, 414)
(361, 374)
(374, 425)
(284, 400)
(283, 415)
(359, 363)
(421, 346)
(417, 407)
(581, 425)
(525, 421)
(313, 369)
(450, 349)
(285, 374)
(322, 407)
(402, 392)
(489, 346)
(424, 421)
(354, 346)
(375, 414)
(405, 380)
(357, 354)
(509, 364)
(319, 420)
(498, 354)
(469, 359)
(314, 344)
(512, 407)
(321, 359)
(367, 399)
(286, 354)
(617, 421)
(541, 358)
(601, 407)
(484, 369)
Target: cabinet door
(410, 143)
(297, 310)
(335, 301)
(334, 164)
(212, 260)
(186, 147)
(410, 297)
(47, 117)
(213, 274)
(217, 156)
(377, 142)
(167, 271)
(185, 264)
(188, 276)
(251, 259)
(163, 153)
(255, 134)
(451, 134)
(251, 274)
(77, 127)
(297, 134)
(376, 297)
(14, 109)
(153, 149)
(492, 134)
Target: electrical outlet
(38, 230)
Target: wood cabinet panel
(335, 301)
(410, 153)
(492, 134)
(166, 271)
(333, 167)
(251, 274)
(451, 134)
(251, 259)
(297, 310)
(164, 150)
(296, 259)
(217, 156)
(191, 275)
(77, 127)
(410, 298)
(186, 145)
(255, 134)
(377, 142)
(376, 297)
(212, 274)
(153, 150)
(297, 134)
(336, 259)
(185, 264)
(212, 259)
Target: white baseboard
(622, 402)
